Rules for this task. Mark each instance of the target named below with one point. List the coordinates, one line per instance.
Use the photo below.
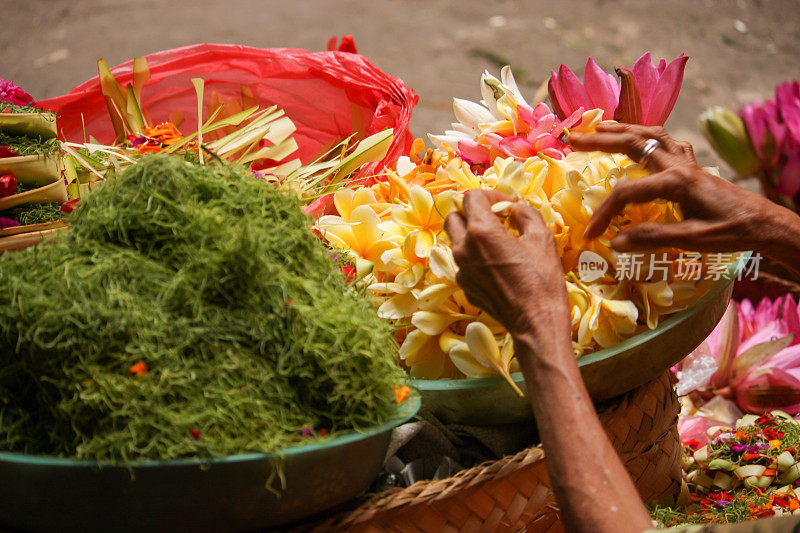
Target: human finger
(456, 227)
(526, 218)
(690, 234)
(663, 185)
(647, 132)
(478, 207)
(631, 144)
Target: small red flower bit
(5, 151)
(8, 184)
(70, 205)
(195, 433)
(139, 369)
(349, 272)
(402, 394)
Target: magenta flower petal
(756, 127)
(658, 87)
(765, 392)
(567, 93)
(790, 317)
(544, 125)
(517, 147)
(695, 428)
(787, 98)
(473, 152)
(789, 178)
(602, 88)
(769, 332)
(545, 141)
(724, 344)
(554, 153)
(8, 223)
(570, 121)
(526, 114)
(13, 94)
(646, 76)
(598, 90)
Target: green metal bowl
(226, 494)
(607, 373)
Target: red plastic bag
(328, 95)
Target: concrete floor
(739, 49)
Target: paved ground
(739, 49)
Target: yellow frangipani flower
(346, 200)
(360, 238)
(480, 355)
(424, 216)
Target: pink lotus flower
(757, 350)
(13, 94)
(598, 91)
(646, 95)
(765, 130)
(774, 132)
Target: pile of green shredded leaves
(209, 279)
(30, 145)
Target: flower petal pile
(393, 232)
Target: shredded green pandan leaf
(36, 213)
(247, 333)
(13, 108)
(24, 145)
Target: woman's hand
(718, 215)
(517, 280)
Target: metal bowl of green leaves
(607, 373)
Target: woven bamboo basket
(513, 493)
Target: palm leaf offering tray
(32, 188)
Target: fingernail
(621, 243)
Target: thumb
(526, 218)
(651, 235)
